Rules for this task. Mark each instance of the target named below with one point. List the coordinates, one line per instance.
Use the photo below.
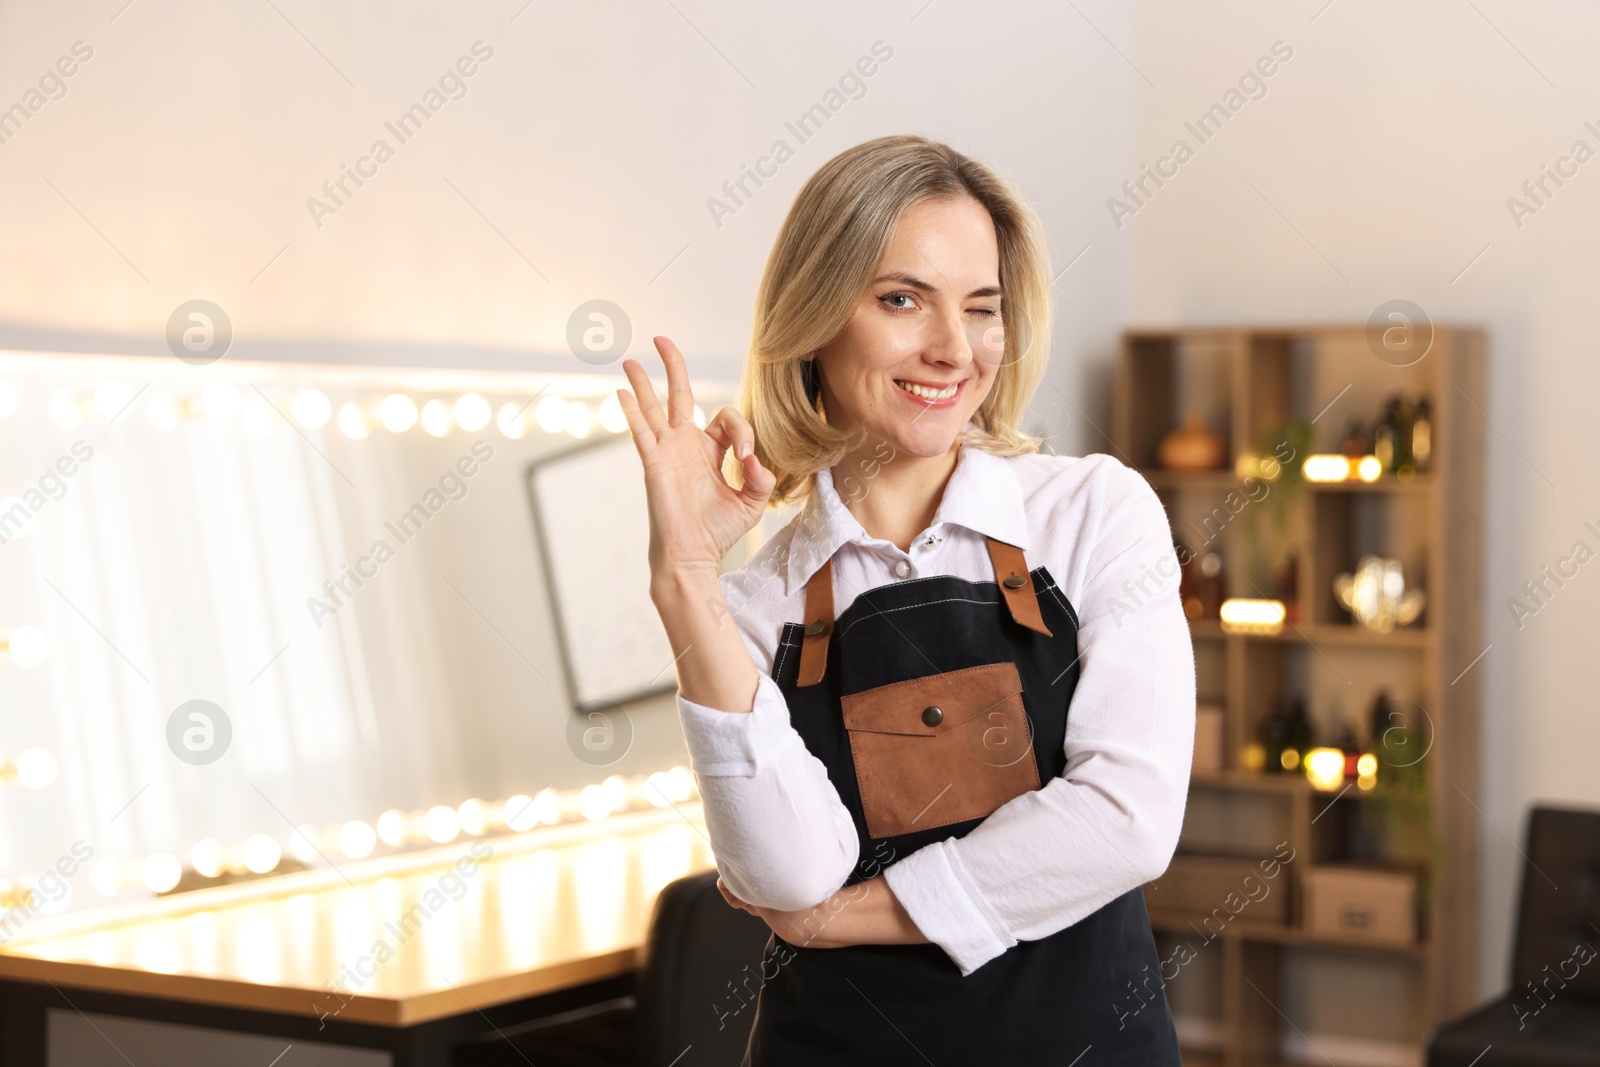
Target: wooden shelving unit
(1257, 992)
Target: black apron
(941, 739)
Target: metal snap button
(932, 716)
(902, 568)
(1015, 581)
(815, 627)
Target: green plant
(1280, 451)
(1401, 807)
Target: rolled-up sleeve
(723, 744)
(1110, 822)
(782, 836)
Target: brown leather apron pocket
(940, 749)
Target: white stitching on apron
(908, 607)
(783, 650)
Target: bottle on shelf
(1299, 740)
(1210, 585)
(1403, 419)
(1275, 737)
(1355, 439)
(1385, 731)
(1188, 580)
(1422, 436)
(1289, 586)
(1350, 745)
(1383, 437)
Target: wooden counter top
(406, 939)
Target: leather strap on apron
(819, 625)
(1010, 573)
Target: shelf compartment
(1157, 370)
(1245, 823)
(1346, 527)
(1338, 672)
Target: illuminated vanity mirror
(262, 617)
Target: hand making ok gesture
(695, 515)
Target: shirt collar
(981, 495)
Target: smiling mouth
(927, 392)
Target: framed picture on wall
(590, 520)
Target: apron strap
(1011, 574)
(819, 625)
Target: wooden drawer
(1363, 903)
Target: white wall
(1391, 142)
(591, 141)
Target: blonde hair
(823, 259)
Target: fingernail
(744, 450)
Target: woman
(945, 796)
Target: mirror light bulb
(593, 803)
(612, 416)
(53, 905)
(112, 397)
(656, 786)
(259, 417)
(472, 412)
(206, 857)
(160, 872)
(65, 410)
(303, 843)
(398, 413)
(547, 806)
(28, 646)
(357, 839)
(163, 410)
(261, 853)
(474, 816)
(441, 824)
(510, 421)
(220, 401)
(104, 876)
(311, 408)
(36, 768)
(580, 419)
(353, 422)
(551, 413)
(681, 780)
(520, 813)
(392, 827)
(436, 418)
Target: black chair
(694, 1000)
(1551, 1017)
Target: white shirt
(1044, 860)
